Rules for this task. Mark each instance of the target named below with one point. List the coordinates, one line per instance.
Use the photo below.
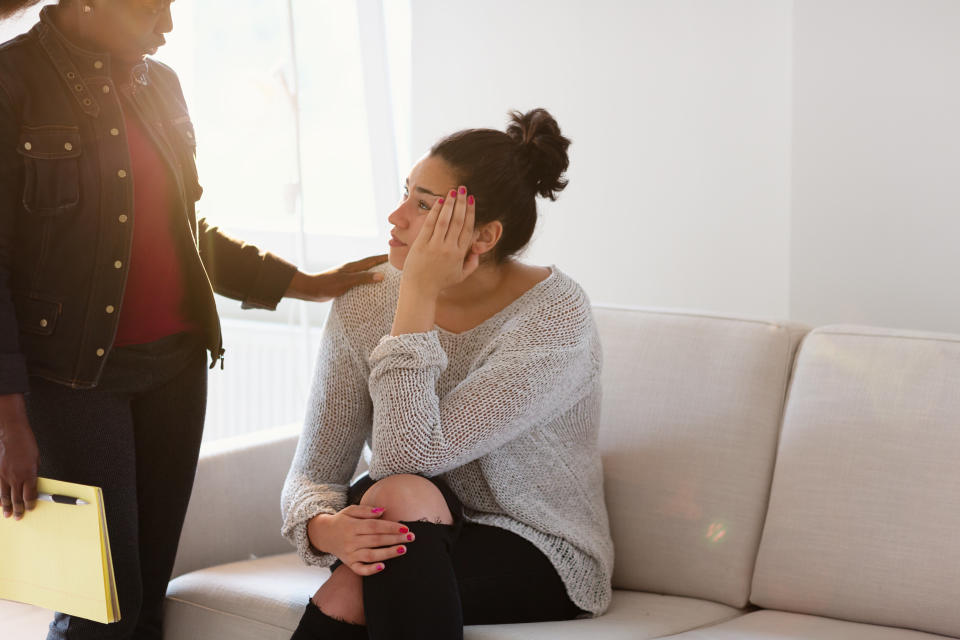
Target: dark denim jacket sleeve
(242, 271)
(13, 367)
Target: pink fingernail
(379, 567)
(410, 537)
(439, 200)
(404, 530)
(470, 200)
(463, 190)
(377, 510)
(401, 550)
(453, 194)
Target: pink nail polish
(439, 200)
(404, 530)
(470, 200)
(401, 550)
(410, 537)
(379, 567)
(377, 510)
(463, 190)
(453, 194)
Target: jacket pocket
(186, 141)
(36, 314)
(52, 169)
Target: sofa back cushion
(865, 504)
(691, 410)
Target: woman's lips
(396, 243)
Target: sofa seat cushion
(264, 598)
(778, 625)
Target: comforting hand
(18, 458)
(440, 256)
(321, 287)
(359, 538)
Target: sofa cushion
(691, 412)
(777, 625)
(865, 504)
(264, 598)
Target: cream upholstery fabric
(234, 510)
(865, 505)
(776, 625)
(691, 412)
(264, 598)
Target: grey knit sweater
(506, 412)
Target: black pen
(53, 497)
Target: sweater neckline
(554, 273)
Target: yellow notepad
(58, 556)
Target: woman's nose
(396, 218)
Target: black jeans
(137, 436)
(466, 573)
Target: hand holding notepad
(58, 556)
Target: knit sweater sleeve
(336, 425)
(528, 379)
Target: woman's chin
(398, 255)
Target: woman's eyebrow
(427, 191)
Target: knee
(410, 498)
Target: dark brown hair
(507, 170)
(10, 7)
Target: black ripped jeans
(453, 575)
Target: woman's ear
(486, 237)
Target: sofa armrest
(234, 511)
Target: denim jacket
(66, 218)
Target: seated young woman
(475, 380)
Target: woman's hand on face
(359, 538)
(441, 255)
(321, 287)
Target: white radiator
(267, 372)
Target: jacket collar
(77, 67)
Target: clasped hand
(359, 537)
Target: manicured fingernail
(463, 190)
(404, 529)
(377, 510)
(410, 537)
(379, 567)
(439, 200)
(470, 200)
(453, 194)
(401, 550)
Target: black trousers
(451, 575)
(137, 436)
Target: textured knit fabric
(508, 412)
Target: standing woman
(106, 285)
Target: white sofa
(763, 482)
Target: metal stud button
(122, 218)
(114, 131)
(68, 146)
(122, 173)
(27, 146)
(109, 308)
(117, 264)
(98, 65)
(106, 88)
(100, 352)
(43, 322)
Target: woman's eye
(423, 205)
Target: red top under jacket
(153, 301)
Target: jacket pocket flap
(46, 143)
(36, 315)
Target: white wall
(876, 159)
(679, 111)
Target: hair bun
(543, 149)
